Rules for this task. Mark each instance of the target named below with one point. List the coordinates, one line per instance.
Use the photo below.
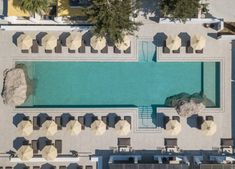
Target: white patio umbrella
(98, 43)
(49, 127)
(125, 44)
(198, 42)
(25, 127)
(74, 40)
(173, 127)
(74, 127)
(123, 127)
(24, 42)
(173, 42)
(208, 127)
(25, 152)
(98, 127)
(49, 42)
(49, 153)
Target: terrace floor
(189, 139)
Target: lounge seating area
(173, 44)
(73, 43)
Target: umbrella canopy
(125, 44)
(24, 42)
(25, 128)
(98, 127)
(25, 153)
(173, 127)
(98, 43)
(208, 127)
(173, 42)
(49, 42)
(123, 127)
(74, 127)
(198, 42)
(49, 153)
(49, 127)
(74, 40)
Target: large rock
(188, 108)
(15, 87)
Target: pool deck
(188, 139)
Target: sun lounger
(124, 142)
(105, 49)
(36, 123)
(176, 51)
(89, 167)
(35, 146)
(93, 50)
(82, 49)
(105, 120)
(49, 142)
(210, 118)
(82, 121)
(176, 118)
(199, 121)
(71, 51)
(189, 49)
(34, 48)
(48, 51)
(226, 142)
(128, 118)
(58, 121)
(128, 50)
(36, 167)
(170, 142)
(62, 167)
(25, 51)
(199, 51)
(58, 146)
(26, 118)
(8, 167)
(116, 50)
(165, 49)
(166, 120)
(58, 48)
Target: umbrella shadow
(20, 166)
(112, 119)
(63, 36)
(18, 118)
(65, 118)
(16, 36)
(42, 142)
(39, 37)
(18, 142)
(48, 166)
(184, 36)
(43, 117)
(86, 37)
(159, 38)
(89, 118)
(192, 121)
(73, 166)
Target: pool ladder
(145, 112)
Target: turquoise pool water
(142, 83)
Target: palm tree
(34, 6)
(111, 18)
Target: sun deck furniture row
(85, 121)
(50, 167)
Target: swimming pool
(144, 83)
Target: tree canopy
(111, 18)
(34, 6)
(180, 10)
